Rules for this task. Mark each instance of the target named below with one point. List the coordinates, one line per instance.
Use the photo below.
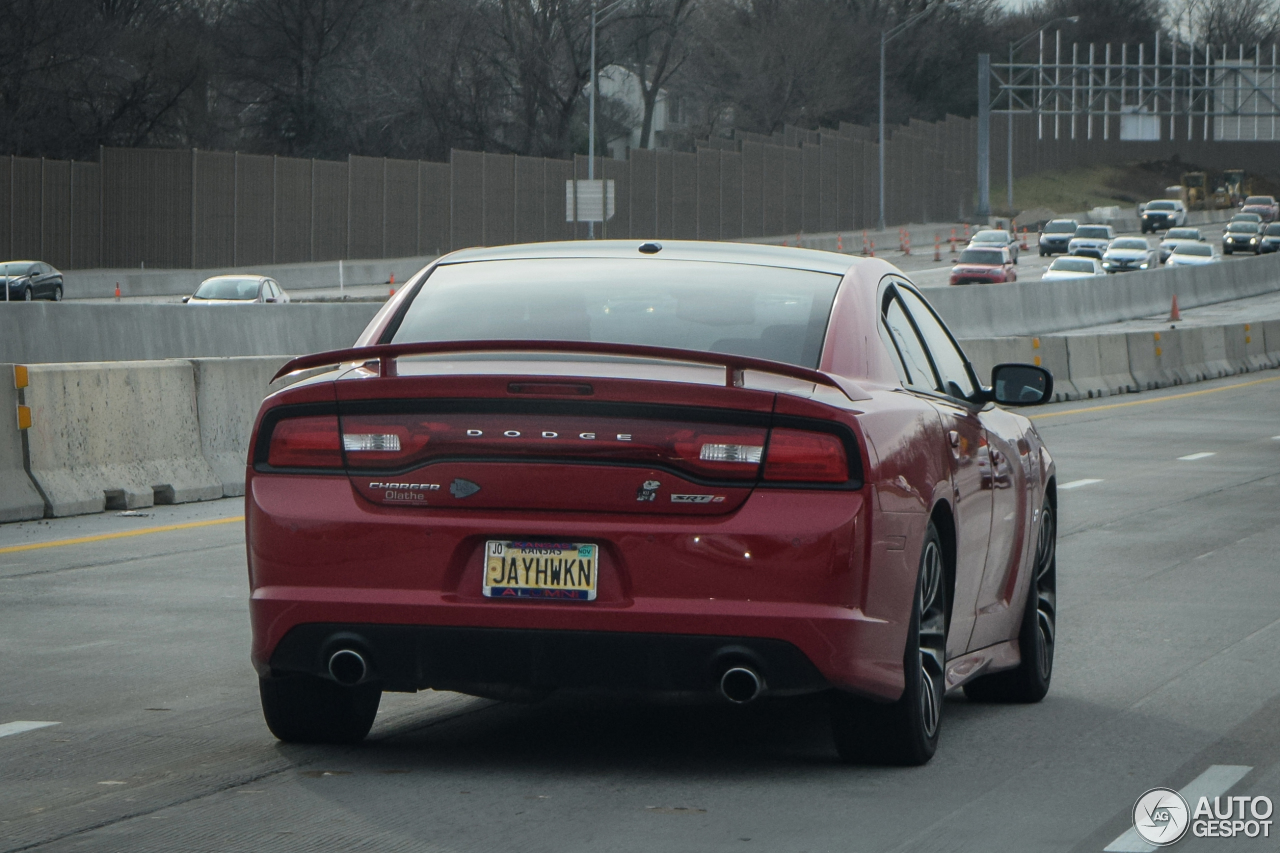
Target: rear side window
(1093, 232)
(1065, 226)
(762, 312)
(947, 358)
(911, 352)
(1071, 265)
(1161, 205)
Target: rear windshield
(1182, 234)
(1071, 265)
(1245, 227)
(1200, 249)
(991, 237)
(1061, 226)
(228, 288)
(1259, 199)
(1095, 232)
(1161, 205)
(763, 312)
(982, 256)
(1130, 243)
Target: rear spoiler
(734, 365)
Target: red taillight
(805, 457)
(307, 442)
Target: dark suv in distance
(1056, 235)
(28, 280)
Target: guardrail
(82, 438)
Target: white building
(622, 88)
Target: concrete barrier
(229, 392)
(1098, 365)
(48, 332)
(85, 284)
(1271, 340)
(19, 498)
(120, 435)
(1246, 347)
(1047, 352)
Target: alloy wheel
(933, 638)
(1046, 591)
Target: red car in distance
(689, 468)
(984, 266)
(1263, 205)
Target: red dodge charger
(674, 468)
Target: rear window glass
(1094, 232)
(1198, 249)
(1161, 205)
(1071, 265)
(1062, 226)
(991, 237)
(1245, 227)
(228, 288)
(982, 256)
(1182, 234)
(762, 312)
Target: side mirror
(186, 299)
(1021, 385)
(269, 299)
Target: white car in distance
(995, 239)
(1190, 254)
(1070, 266)
(1176, 236)
(1091, 240)
(1129, 253)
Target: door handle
(955, 438)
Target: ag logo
(1161, 816)
(461, 488)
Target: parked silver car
(237, 289)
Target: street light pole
(591, 118)
(887, 36)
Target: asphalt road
(136, 647)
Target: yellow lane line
(1150, 400)
(81, 540)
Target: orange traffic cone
(953, 241)
(839, 242)
(906, 243)
(784, 241)
(872, 253)
(966, 232)
(937, 246)
(393, 290)
(1023, 246)
(865, 244)
(1174, 314)
(392, 281)
(117, 291)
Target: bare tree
(1234, 22)
(655, 50)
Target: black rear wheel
(1030, 681)
(57, 293)
(905, 732)
(306, 709)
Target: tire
(905, 732)
(57, 293)
(306, 709)
(1036, 639)
(26, 294)
(1226, 251)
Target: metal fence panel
(499, 199)
(329, 210)
(367, 189)
(730, 195)
(708, 188)
(24, 227)
(753, 204)
(775, 190)
(811, 188)
(663, 161)
(55, 213)
(793, 190)
(684, 195)
(829, 184)
(530, 225)
(255, 209)
(213, 208)
(467, 199)
(433, 205)
(292, 217)
(870, 180)
(400, 209)
(555, 173)
(619, 227)
(146, 207)
(86, 213)
(643, 196)
(8, 203)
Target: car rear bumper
(785, 571)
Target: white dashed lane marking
(1214, 782)
(17, 727)
(1194, 456)
(1075, 484)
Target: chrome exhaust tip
(740, 684)
(348, 667)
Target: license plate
(556, 570)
